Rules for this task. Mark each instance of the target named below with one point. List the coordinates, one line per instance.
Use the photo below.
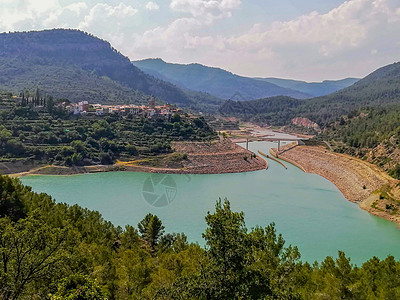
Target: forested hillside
(275, 110)
(372, 134)
(379, 89)
(215, 81)
(55, 251)
(78, 66)
(314, 89)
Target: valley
(191, 154)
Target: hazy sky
(299, 39)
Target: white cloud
(109, 22)
(208, 10)
(105, 15)
(311, 46)
(152, 6)
(352, 39)
(77, 7)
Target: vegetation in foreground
(51, 250)
(50, 135)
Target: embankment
(273, 153)
(215, 157)
(359, 181)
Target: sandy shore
(217, 157)
(359, 181)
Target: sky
(310, 40)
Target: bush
(106, 159)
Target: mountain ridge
(315, 89)
(378, 89)
(215, 81)
(83, 52)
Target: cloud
(350, 40)
(109, 22)
(104, 14)
(321, 39)
(311, 46)
(208, 10)
(152, 6)
(77, 7)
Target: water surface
(308, 210)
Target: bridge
(270, 139)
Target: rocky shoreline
(359, 181)
(217, 157)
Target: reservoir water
(308, 210)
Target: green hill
(379, 89)
(315, 89)
(214, 81)
(78, 66)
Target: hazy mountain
(379, 89)
(313, 88)
(78, 66)
(214, 81)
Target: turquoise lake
(308, 210)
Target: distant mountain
(379, 89)
(214, 81)
(315, 89)
(78, 66)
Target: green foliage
(78, 287)
(395, 172)
(361, 132)
(57, 251)
(274, 111)
(33, 255)
(11, 199)
(151, 229)
(69, 140)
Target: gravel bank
(359, 181)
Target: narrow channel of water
(308, 210)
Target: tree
(50, 105)
(78, 287)
(32, 255)
(241, 265)
(226, 241)
(151, 230)
(10, 199)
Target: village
(84, 108)
(151, 110)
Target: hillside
(371, 134)
(76, 65)
(314, 89)
(274, 110)
(34, 136)
(214, 81)
(64, 81)
(379, 89)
